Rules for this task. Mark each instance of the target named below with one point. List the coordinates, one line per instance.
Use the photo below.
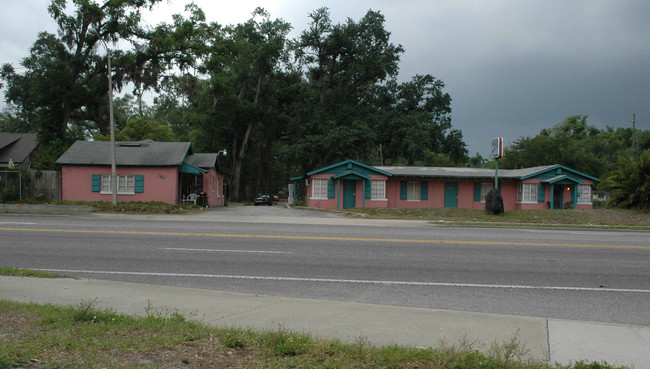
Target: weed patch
(17, 272)
(47, 336)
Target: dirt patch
(207, 352)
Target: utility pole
(112, 126)
(110, 116)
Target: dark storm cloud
(511, 67)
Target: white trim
(322, 186)
(118, 192)
(520, 192)
(589, 200)
(382, 186)
(109, 191)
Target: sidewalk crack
(260, 307)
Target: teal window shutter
(139, 184)
(367, 191)
(477, 191)
(402, 190)
(96, 183)
(540, 193)
(424, 188)
(331, 190)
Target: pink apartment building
(146, 171)
(350, 184)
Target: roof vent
(130, 144)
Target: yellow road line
(360, 239)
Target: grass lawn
(576, 217)
(47, 336)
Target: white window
(584, 194)
(378, 190)
(319, 189)
(413, 191)
(125, 185)
(527, 192)
(485, 188)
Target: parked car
(276, 198)
(263, 199)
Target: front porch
(563, 193)
(190, 185)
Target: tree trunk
(239, 160)
(239, 157)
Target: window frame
(378, 190)
(413, 191)
(125, 184)
(588, 193)
(522, 194)
(485, 188)
(322, 189)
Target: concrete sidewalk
(546, 339)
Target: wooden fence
(46, 185)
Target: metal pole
(496, 174)
(110, 115)
(112, 125)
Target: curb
(45, 209)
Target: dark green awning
(186, 168)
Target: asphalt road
(584, 275)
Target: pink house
(351, 184)
(146, 171)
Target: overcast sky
(511, 67)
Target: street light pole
(110, 118)
(112, 124)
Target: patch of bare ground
(205, 352)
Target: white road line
(23, 223)
(359, 281)
(233, 251)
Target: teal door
(451, 194)
(349, 194)
(557, 196)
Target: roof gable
(553, 171)
(16, 146)
(350, 165)
(562, 179)
(351, 174)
